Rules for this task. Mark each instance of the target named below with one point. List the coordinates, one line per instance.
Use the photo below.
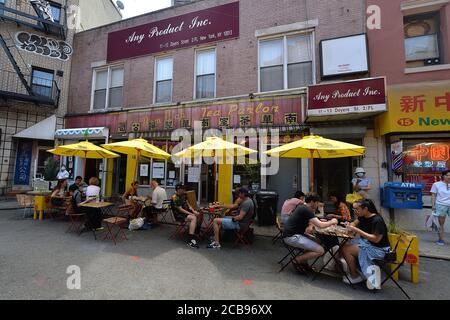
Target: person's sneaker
(213, 245)
(440, 243)
(356, 280)
(100, 229)
(193, 244)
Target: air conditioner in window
(432, 62)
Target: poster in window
(158, 170)
(23, 163)
(144, 170)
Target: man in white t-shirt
(158, 195)
(440, 201)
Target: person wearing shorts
(298, 225)
(246, 212)
(440, 202)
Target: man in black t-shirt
(372, 245)
(296, 227)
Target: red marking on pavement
(248, 282)
(135, 258)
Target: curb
(434, 256)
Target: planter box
(403, 239)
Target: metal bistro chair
(391, 259)
(293, 253)
(180, 226)
(26, 202)
(279, 235)
(119, 222)
(164, 211)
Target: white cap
(359, 170)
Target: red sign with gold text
(359, 96)
(285, 111)
(210, 25)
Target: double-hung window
(108, 88)
(2, 2)
(422, 39)
(286, 62)
(205, 78)
(42, 82)
(163, 80)
(56, 12)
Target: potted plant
(50, 170)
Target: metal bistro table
(212, 214)
(341, 234)
(41, 203)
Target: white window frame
(108, 85)
(155, 71)
(284, 36)
(195, 71)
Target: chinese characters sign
(23, 163)
(361, 96)
(422, 107)
(210, 25)
(424, 162)
(245, 113)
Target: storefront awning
(43, 130)
(81, 133)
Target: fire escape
(15, 83)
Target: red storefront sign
(210, 25)
(285, 111)
(360, 96)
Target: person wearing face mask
(361, 184)
(63, 173)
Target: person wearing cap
(63, 173)
(183, 211)
(245, 214)
(360, 183)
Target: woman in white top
(440, 202)
(93, 190)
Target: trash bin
(266, 203)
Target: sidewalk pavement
(427, 246)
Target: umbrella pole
(137, 164)
(311, 175)
(215, 181)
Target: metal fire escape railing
(29, 14)
(17, 86)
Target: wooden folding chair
(76, 220)
(242, 233)
(180, 226)
(26, 202)
(385, 262)
(118, 223)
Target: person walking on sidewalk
(440, 202)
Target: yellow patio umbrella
(214, 147)
(85, 150)
(316, 147)
(138, 148)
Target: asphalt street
(35, 257)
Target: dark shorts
(57, 202)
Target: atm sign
(405, 122)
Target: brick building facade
(35, 62)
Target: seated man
(246, 212)
(94, 216)
(77, 183)
(183, 211)
(159, 195)
(232, 207)
(296, 227)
